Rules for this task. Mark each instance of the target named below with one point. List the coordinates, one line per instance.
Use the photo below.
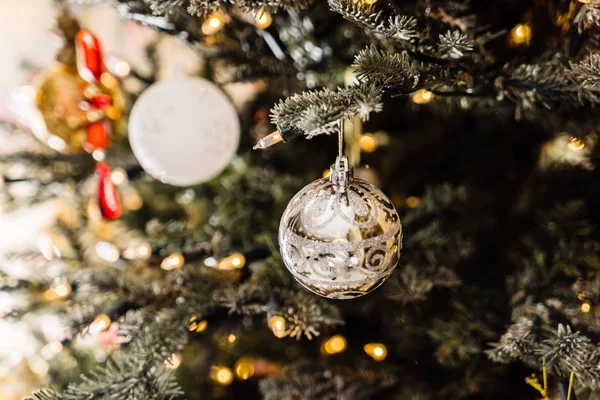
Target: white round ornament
(184, 131)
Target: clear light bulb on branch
(214, 23)
(282, 134)
(263, 19)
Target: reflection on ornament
(334, 345)
(244, 368)
(235, 261)
(221, 375)
(173, 362)
(520, 35)
(107, 251)
(174, 261)
(576, 144)
(422, 96)
(377, 351)
(586, 307)
(263, 19)
(277, 325)
(100, 324)
(60, 287)
(340, 237)
(197, 326)
(368, 142)
(213, 24)
(109, 201)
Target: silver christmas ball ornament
(339, 236)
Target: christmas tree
(186, 264)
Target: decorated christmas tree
(436, 238)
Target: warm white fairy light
(174, 261)
(107, 251)
(118, 176)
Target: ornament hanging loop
(341, 172)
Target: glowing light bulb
(422, 96)
(213, 24)
(244, 368)
(368, 143)
(277, 325)
(377, 351)
(118, 176)
(107, 251)
(576, 144)
(520, 35)
(100, 324)
(334, 345)
(586, 307)
(221, 375)
(234, 261)
(197, 326)
(174, 261)
(268, 141)
(231, 338)
(61, 288)
(122, 69)
(173, 362)
(263, 19)
(413, 202)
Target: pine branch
(586, 74)
(393, 72)
(399, 27)
(320, 111)
(454, 44)
(518, 343)
(318, 381)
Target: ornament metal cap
(341, 172)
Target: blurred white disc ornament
(184, 131)
(339, 236)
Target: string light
(100, 324)
(263, 19)
(213, 24)
(221, 375)
(197, 326)
(174, 261)
(173, 362)
(520, 35)
(334, 345)
(576, 144)
(377, 351)
(585, 1)
(139, 251)
(586, 307)
(244, 368)
(60, 288)
(369, 2)
(368, 142)
(122, 69)
(277, 325)
(231, 338)
(234, 261)
(413, 202)
(118, 176)
(107, 251)
(422, 96)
